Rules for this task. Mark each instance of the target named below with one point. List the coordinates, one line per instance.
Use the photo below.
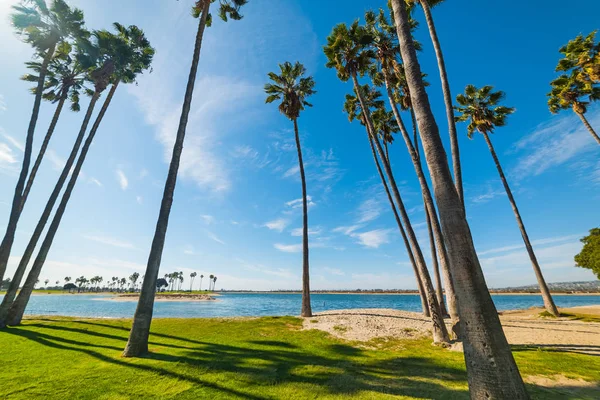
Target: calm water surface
(229, 305)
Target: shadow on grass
(259, 366)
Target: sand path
(521, 327)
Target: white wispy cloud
(122, 178)
(374, 238)
(208, 219)
(189, 250)
(96, 182)
(214, 237)
(561, 140)
(6, 154)
(277, 225)
(297, 203)
(288, 248)
(537, 242)
(346, 230)
(16, 143)
(58, 163)
(292, 172)
(109, 241)
(488, 191)
(139, 199)
(334, 271)
(369, 210)
(2, 103)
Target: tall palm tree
(571, 92)
(210, 282)
(122, 57)
(348, 52)
(44, 28)
(480, 107)
(214, 282)
(65, 81)
(353, 109)
(491, 368)
(388, 70)
(292, 88)
(142, 319)
(201, 277)
(426, 5)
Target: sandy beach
(163, 297)
(523, 327)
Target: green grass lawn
(263, 358)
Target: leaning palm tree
(390, 71)
(214, 282)
(348, 52)
(353, 109)
(456, 166)
(140, 330)
(123, 57)
(571, 92)
(480, 108)
(491, 368)
(65, 81)
(44, 28)
(292, 88)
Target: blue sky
(236, 212)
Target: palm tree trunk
(491, 369)
(440, 333)
(589, 127)
(306, 308)
(447, 101)
(43, 148)
(140, 330)
(9, 297)
(548, 301)
(435, 232)
(411, 257)
(15, 314)
(15, 211)
(439, 290)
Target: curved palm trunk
(589, 127)
(548, 301)
(7, 301)
(140, 330)
(15, 314)
(447, 101)
(491, 369)
(440, 333)
(15, 211)
(43, 148)
(411, 257)
(435, 232)
(306, 308)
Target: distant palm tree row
(388, 96)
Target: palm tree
(201, 276)
(571, 92)
(480, 107)
(582, 56)
(122, 57)
(142, 319)
(210, 282)
(292, 87)
(180, 277)
(123, 281)
(67, 279)
(427, 5)
(133, 278)
(44, 28)
(390, 72)
(491, 368)
(64, 81)
(353, 109)
(46, 282)
(347, 51)
(192, 276)
(214, 282)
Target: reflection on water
(230, 305)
